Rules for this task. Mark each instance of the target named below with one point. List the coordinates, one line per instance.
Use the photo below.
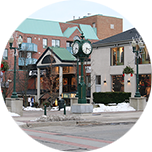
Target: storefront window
(145, 59)
(117, 83)
(145, 85)
(117, 56)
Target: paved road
(78, 138)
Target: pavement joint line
(64, 142)
(70, 136)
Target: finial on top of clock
(82, 36)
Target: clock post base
(82, 108)
(82, 101)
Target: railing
(26, 61)
(5, 84)
(30, 47)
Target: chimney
(73, 17)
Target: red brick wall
(102, 25)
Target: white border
(13, 12)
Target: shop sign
(68, 95)
(34, 72)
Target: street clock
(76, 47)
(82, 48)
(87, 48)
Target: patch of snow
(44, 118)
(32, 109)
(119, 107)
(68, 108)
(14, 114)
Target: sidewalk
(103, 118)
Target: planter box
(138, 103)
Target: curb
(74, 123)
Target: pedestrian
(32, 102)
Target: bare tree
(50, 81)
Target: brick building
(105, 26)
(38, 35)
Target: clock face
(86, 48)
(75, 48)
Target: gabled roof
(88, 32)
(52, 28)
(41, 27)
(68, 32)
(122, 37)
(61, 53)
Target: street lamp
(137, 49)
(11, 40)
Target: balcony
(26, 61)
(29, 47)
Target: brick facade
(103, 24)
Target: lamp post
(11, 40)
(137, 49)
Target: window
(145, 85)
(29, 55)
(88, 85)
(68, 44)
(145, 59)
(98, 83)
(76, 37)
(56, 43)
(29, 40)
(117, 83)
(98, 79)
(117, 56)
(94, 25)
(44, 43)
(112, 26)
(5, 54)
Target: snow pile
(32, 109)
(14, 114)
(119, 107)
(44, 118)
(68, 108)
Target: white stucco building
(108, 59)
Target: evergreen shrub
(46, 103)
(111, 97)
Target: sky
(65, 10)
